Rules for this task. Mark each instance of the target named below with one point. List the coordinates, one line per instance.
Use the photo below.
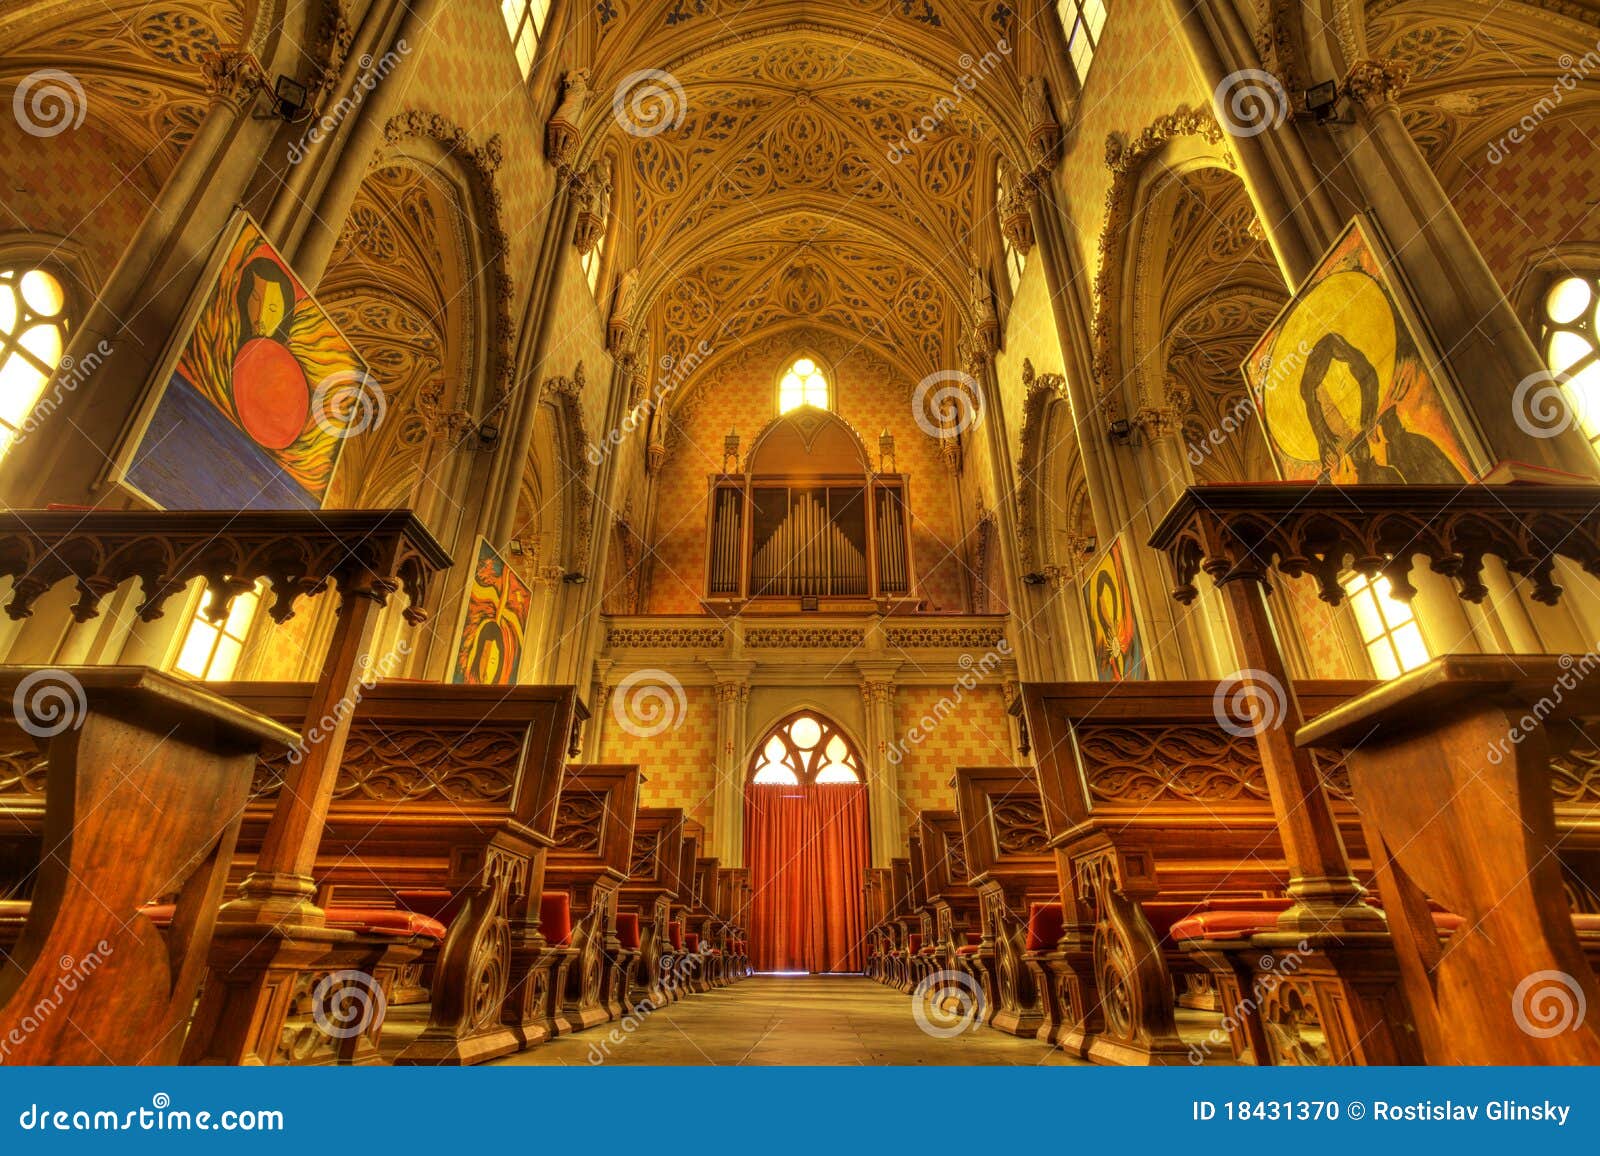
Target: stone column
(883, 779)
(727, 814)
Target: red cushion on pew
(929, 950)
(440, 903)
(385, 921)
(159, 913)
(628, 930)
(1163, 914)
(693, 940)
(1224, 924)
(555, 917)
(974, 938)
(915, 944)
(1045, 925)
(675, 935)
(969, 949)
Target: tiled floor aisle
(769, 1020)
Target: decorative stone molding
(331, 47)
(1039, 391)
(1125, 159)
(985, 322)
(482, 164)
(567, 394)
(1016, 215)
(733, 692)
(619, 332)
(944, 637)
(804, 637)
(665, 638)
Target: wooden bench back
(596, 817)
(1003, 831)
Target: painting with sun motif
(1344, 384)
(258, 395)
(1113, 625)
(494, 624)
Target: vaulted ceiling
(786, 185)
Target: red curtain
(807, 851)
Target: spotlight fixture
(1120, 428)
(1035, 578)
(488, 433)
(575, 578)
(289, 98)
(1322, 100)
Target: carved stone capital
(877, 693)
(233, 76)
(1374, 83)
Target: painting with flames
(258, 396)
(1113, 625)
(494, 625)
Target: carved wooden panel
(581, 823)
(644, 854)
(416, 764)
(1196, 763)
(22, 773)
(1019, 825)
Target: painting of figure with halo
(1113, 626)
(1342, 386)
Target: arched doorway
(805, 838)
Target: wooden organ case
(809, 525)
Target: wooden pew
(1008, 855)
(905, 922)
(731, 921)
(648, 896)
(1474, 779)
(445, 794)
(875, 885)
(949, 895)
(1169, 856)
(689, 911)
(590, 862)
(126, 783)
(366, 556)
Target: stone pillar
(727, 817)
(883, 779)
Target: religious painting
(1345, 385)
(494, 624)
(258, 393)
(1113, 625)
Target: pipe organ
(836, 539)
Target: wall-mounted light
(288, 98)
(1120, 429)
(574, 578)
(1322, 100)
(1035, 578)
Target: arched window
(805, 748)
(804, 384)
(1082, 21)
(525, 20)
(33, 333)
(1389, 629)
(211, 650)
(1570, 335)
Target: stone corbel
(619, 332)
(1044, 132)
(592, 192)
(1016, 215)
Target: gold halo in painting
(1354, 306)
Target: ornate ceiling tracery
(137, 66)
